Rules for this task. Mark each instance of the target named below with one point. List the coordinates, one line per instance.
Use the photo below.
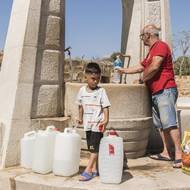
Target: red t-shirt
(164, 78)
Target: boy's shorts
(93, 141)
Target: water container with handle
(111, 158)
(67, 153)
(27, 149)
(43, 150)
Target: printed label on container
(111, 150)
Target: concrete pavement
(143, 174)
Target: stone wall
(132, 124)
(78, 65)
(74, 71)
(183, 84)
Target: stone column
(17, 76)
(166, 22)
(48, 84)
(31, 76)
(136, 14)
(132, 19)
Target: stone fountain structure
(32, 89)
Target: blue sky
(93, 28)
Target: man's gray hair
(151, 29)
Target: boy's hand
(102, 126)
(80, 122)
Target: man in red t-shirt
(158, 75)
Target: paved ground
(143, 174)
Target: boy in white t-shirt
(94, 115)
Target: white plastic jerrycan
(43, 150)
(27, 149)
(67, 153)
(111, 158)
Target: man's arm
(132, 70)
(153, 68)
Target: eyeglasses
(141, 36)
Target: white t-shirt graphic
(93, 104)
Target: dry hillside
(1, 57)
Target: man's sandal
(177, 163)
(160, 157)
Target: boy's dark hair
(92, 68)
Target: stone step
(132, 149)
(128, 146)
(42, 123)
(141, 174)
(128, 129)
(130, 124)
(135, 134)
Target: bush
(185, 66)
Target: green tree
(182, 42)
(180, 69)
(113, 56)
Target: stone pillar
(48, 84)
(166, 22)
(31, 76)
(137, 14)
(132, 19)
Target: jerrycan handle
(113, 132)
(69, 130)
(31, 133)
(51, 128)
